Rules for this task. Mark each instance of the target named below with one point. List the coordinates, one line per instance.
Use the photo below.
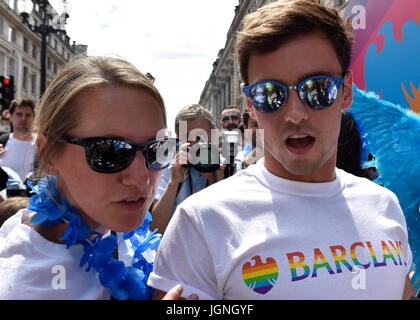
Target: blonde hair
(270, 26)
(57, 114)
(192, 112)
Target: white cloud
(177, 41)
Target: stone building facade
(20, 52)
(223, 86)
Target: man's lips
(299, 143)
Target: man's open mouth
(300, 143)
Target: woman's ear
(40, 143)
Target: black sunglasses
(317, 93)
(233, 118)
(111, 155)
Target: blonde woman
(100, 163)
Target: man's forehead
(229, 112)
(23, 109)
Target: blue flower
(99, 252)
(144, 265)
(140, 230)
(111, 273)
(135, 284)
(151, 241)
(71, 233)
(123, 282)
(46, 202)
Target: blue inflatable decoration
(393, 136)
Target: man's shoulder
(364, 186)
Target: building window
(11, 67)
(339, 3)
(25, 45)
(33, 83)
(25, 78)
(55, 44)
(55, 68)
(2, 69)
(48, 63)
(12, 35)
(34, 51)
(1, 26)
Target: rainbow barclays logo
(260, 277)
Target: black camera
(204, 157)
(230, 143)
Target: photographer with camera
(197, 163)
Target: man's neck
(23, 136)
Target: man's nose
(294, 109)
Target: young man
(18, 152)
(293, 226)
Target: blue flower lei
(123, 282)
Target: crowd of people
(273, 202)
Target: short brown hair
(192, 112)
(230, 107)
(266, 29)
(22, 102)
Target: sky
(177, 41)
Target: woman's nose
(136, 174)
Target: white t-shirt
(258, 236)
(32, 267)
(19, 156)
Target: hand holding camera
(178, 166)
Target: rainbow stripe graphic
(262, 276)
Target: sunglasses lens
(108, 155)
(233, 118)
(160, 154)
(268, 97)
(318, 93)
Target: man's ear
(40, 143)
(348, 90)
(249, 108)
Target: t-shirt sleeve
(183, 258)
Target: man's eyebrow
(321, 73)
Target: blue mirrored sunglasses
(316, 92)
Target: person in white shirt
(293, 226)
(19, 151)
(85, 234)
